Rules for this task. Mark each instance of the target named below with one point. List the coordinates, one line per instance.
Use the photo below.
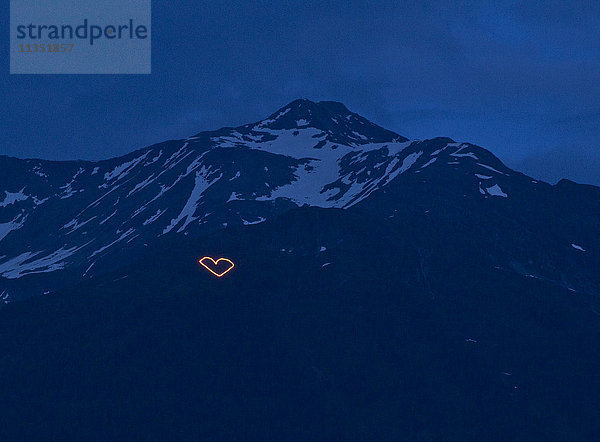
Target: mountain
(63, 221)
(383, 289)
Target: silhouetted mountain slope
(325, 329)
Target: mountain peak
(309, 107)
(342, 125)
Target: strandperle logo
(80, 37)
(85, 31)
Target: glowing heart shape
(207, 260)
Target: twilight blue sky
(521, 79)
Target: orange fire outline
(216, 263)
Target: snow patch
(140, 186)
(187, 213)
(38, 171)
(495, 190)
(154, 217)
(12, 198)
(457, 153)
(491, 168)
(24, 264)
(234, 197)
(122, 237)
(122, 170)
(74, 224)
(439, 150)
(6, 228)
(463, 155)
(406, 164)
(109, 217)
(431, 161)
(68, 188)
(249, 223)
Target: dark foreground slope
(384, 335)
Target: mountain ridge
(81, 215)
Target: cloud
(514, 77)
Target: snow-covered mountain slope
(88, 217)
